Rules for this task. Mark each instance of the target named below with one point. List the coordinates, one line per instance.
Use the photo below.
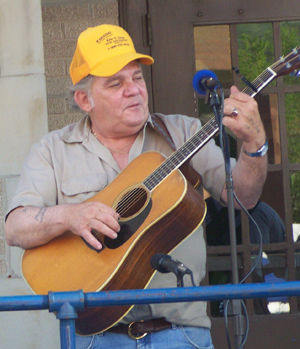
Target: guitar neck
(260, 82)
(195, 143)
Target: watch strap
(261, 151)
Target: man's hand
(247, 124)
(243, 119)
(82, 218)
(29, 227)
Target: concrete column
(23, 113)
(23, 104)
(24, 119)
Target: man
(70, 165)
(217, 224)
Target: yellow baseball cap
(103, 51)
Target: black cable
(243, 280)
(224, 144)
(192, 278)
(244, 79)
(260, 239)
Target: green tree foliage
(256, 53)
(290, 39)
(255, 49)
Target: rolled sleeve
(37, 184)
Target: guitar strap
(160, 127)
(190, 174)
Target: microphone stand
(180, 271)
(236, 309)
(179, 279)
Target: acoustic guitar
(158, 208)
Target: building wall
(37, 43)
(61, 26)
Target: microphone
(204, 81)
(165, 264)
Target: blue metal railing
(66, 304)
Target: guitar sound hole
(131, 202)
(134, 207)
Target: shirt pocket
(81, 186)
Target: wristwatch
(261, 151)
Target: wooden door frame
(171, 92)
(133, 18)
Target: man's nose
(130, 88)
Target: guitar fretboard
(260, 82)
(182, 154)
(196, 142)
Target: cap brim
(114, 64)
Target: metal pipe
(66, 304)
(165, 295)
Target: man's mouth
(131, 106)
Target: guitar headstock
(287, 64)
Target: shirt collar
(77, 132)
(80, 131)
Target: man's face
(120, 102)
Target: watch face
(264, 150)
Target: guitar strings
(176, 159)
(170, 164)
(96, 234)
(128, 201)
(275, 66)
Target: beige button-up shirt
(70, 165)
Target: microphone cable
(258, 260)
(224, 145)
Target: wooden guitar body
(158, 210)
(170, 213)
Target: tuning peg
(295, 73)
(288, 65)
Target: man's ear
(83, 101)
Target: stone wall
(22, 101)
(34, 84)
(62, 25)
